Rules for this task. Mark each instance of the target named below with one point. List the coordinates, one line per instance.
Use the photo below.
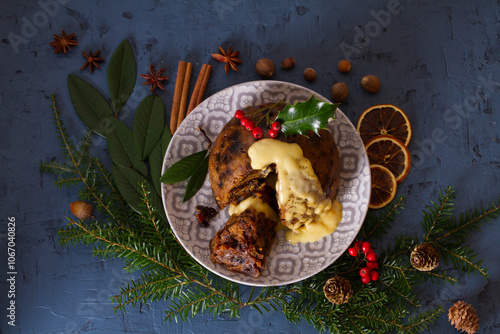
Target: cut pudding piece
(245, 240)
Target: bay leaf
(196, 180)
(122, 73)
(90, 105)
(165, 140)
(129, 181)
(183, 168)
(156, 157)
(149, 121)
(122, 149)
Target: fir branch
(106, 177)
(404, 294)
(436, 219)
(471, 222)
(462, 257)
(151, 218)
(83, 148)
(377, 224)
(152, 287)
(189, 303)
(142, 257)
(67, 182)
(420, 322)
(56, 167)
(377, 322)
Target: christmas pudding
(302, 172)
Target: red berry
(365, 279)
(358, 244)
(239, 114)
(371, 256)
(250, 125)
(276, 125)
(244, 121)
(353, 251)
(374, 275)
(371, 265)
(257, 132)
(366, 247)
(364, 272)
(273, 133)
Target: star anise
(154, 78)
(92, 59)
(62, 42)
(230, 58)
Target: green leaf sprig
(121, 75)
(129, 149)
(301, 117)
(90, 105)
(194, 167)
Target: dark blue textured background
(438, 61)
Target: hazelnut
(370, 83)
(339, 92)
(344, 66)
(265, 67)
(309, 74)
(82, 210)
(288, 63)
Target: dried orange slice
(391, 153)
(384, 187)
(384, 119)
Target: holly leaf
(301, 117)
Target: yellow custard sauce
(257, 204)
(305, 209)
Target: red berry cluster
(256, 131)
(368, 273)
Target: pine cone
(464, 317)
(338, 290)
(424, 257)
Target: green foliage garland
(144, 240)
(131, 225)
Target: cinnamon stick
(184, 95)
(204, 83)
(176, 103)
(196, 90)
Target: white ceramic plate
(286, 263)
